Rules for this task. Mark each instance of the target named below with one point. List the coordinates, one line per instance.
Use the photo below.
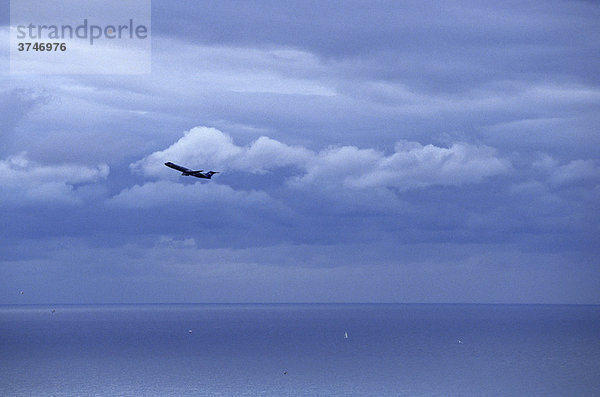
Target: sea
(299, 350)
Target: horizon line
(300, 303)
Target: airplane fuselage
(202, 175)
(188, 172)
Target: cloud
(24, 181)
(210, 212)
(352, 107)
(167, 193)
(279, 70)
(294, 89)
(212, 148)
(411, 165)
(176, 270)
(15, 105)
(575, 171)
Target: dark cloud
(441, 46)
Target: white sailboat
(346, 335)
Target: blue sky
(370, 152)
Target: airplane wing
(180, 168)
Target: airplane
(188, 172)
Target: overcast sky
(370, 151)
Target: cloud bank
(166, 193)
(24, 182)
(411, 165)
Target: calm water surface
(300, 349)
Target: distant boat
(346, 335)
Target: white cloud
(266, 153)
(574, 171)
(412, 165)
(511, 95)
(210, 195)
(208, 147)
(24, 181)
(278, 70)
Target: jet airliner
(187, 172)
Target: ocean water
(300, 350)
